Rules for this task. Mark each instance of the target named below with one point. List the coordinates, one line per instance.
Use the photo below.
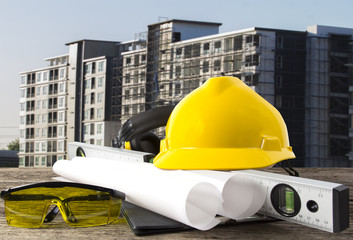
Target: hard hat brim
(220, 158)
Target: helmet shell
(224, 125)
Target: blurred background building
(88, 93)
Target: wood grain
(10, 177)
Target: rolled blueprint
(242, 197)
(191, 201)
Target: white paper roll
(241, 197)
(184, 199)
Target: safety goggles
(80, 205)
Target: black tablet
(145, 222)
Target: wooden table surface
(10, 177)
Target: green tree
(14, 145)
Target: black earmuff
(137, 129)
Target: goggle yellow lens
(79, 206)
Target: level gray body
(332, 200)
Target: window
(23, 93)
(237, 62)
(38, 91)
(196, 50)
(22, 133)
(45, 90)
(92, 113)
(238, 43)
(206, 48)
(251, 60)
(61, 102)
(37, 118)
(93, 83)
(100, 81)
(99, 97)
(252, 80)
(23, 120)
(37, 132)
(228, 44)
(177, 87)
(188, 51)
(176, 36)
(61, 117)
(61, 131)
(187, 66)
(22, 107)
(87, 83)
(37, 148)
(127, 94)
(137, 59)
(99, 142)
(61, 87)
(43, 161)
(23, 80)
(93, 98)
(178, 71)
(217, 46)
(179, 52)
(36, 162)
(88, 68)
(45, 76)
(101, 66)
(60, 146)
(38, 103)
(128, 61)
(127, 78)
(134, 109)
(135, 93)
(99, 112)
(62, 73)
(217, 65)
(39, 77)
(87, 113)
(44, 117)
(143, 59)
(252, 40)
(44, 146)
(195, 68)
(126, 110)
(228, 63)
(86, 128)
(22, 147)
(99, 128)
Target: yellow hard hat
(224, 125)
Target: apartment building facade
(43, 99)
(302, 73)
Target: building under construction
(304, 74)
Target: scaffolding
(167, 69)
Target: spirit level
(88, 150)
(313, 203)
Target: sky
(33, 30)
